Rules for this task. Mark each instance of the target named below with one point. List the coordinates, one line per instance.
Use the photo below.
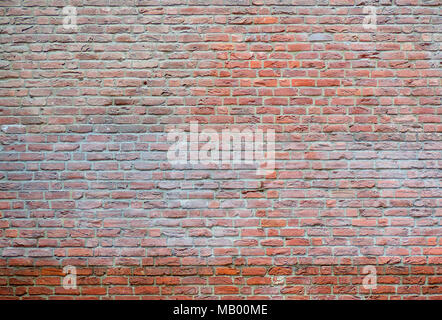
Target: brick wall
(85, 180)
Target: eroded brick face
(85, 180)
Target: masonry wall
(85, 180)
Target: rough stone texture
(85, 182)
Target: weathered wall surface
(85, 180)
